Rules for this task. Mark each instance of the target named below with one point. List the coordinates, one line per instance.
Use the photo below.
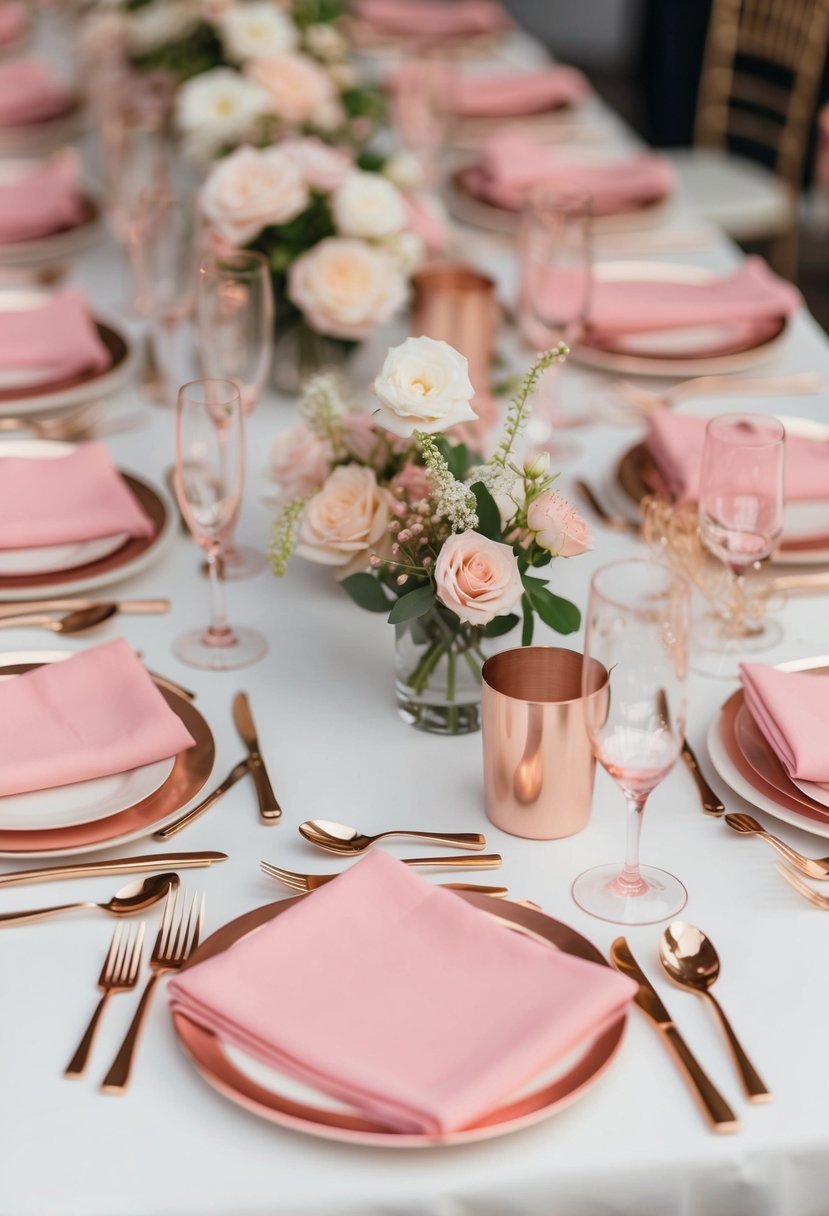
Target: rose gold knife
(269, 809)
(24, 607)
(145, 863)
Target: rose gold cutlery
(711, 804)
(77, 424)
(478, 888)
(619, 523)
(23, 607)
(133, 898)
(310, 882)
(647, 400)
(812, 867)
(269, 808)
(73, 622)
(688, 957)
(803, 888)
(714, 1105)
(348, 842)
(120, 865)
(178, 935)
(118, 974)
(184, 821)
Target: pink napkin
(514, 94)
(77, 497)
(14, 22)
(432, 20)
(60, 337)
(512, 163)
(791, 709)
(93, 715)
(675, 441)
(400, 999)
(42, 201)
(30, 93)
(427, 219)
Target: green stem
(426, 665)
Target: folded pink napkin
(400, 999)
(434, 19)
(30, 93)
(514, 94)
(44, 200)
(675, 442)
(77, 497)
(14, 22)
(512, 163)
(60, 337)
(93, 715)
(791, 709)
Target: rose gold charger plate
(276, 1103)
(46, 135)
(190, 771)
(743, 758)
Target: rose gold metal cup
(457, 304)
(538, 762)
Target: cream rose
(558, 526)
(347, 519)
(345, 288)
(255, 29)
(477, 578)
(326, 42)
(322, 167)
(219, 107)
(298, 88)
(423, 386)
(300, 462)
(250, 189)
(369, 206)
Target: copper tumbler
(538, 762)
(457, 304)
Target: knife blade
(24, 607)
(142, 864)
(711, 804)
(647, 998)
(269, 809)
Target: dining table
(323, 699)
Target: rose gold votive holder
(538, 762)
(457, 304)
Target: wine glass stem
(218, 632)
(630, 878)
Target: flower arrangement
(446, 547)
(246, 71)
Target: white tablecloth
(323, 699)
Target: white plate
(676, 361)
(83, 801)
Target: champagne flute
(422, 111)
(554, 288)
(637, 631)
(740, 519)
(210, 470)
(234, 322)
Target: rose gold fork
(310, 882)
(178, 935)
(118, 974)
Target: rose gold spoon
(347, 841)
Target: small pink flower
(300, 462)
(477, 578)
(558, 526)
(413, 483)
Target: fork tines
(299, 882)
(181, 924)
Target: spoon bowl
(348, 841)
(689, 958)
(74, 622)
(137, 895)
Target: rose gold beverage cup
(457, 304)
(538, 763)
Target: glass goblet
(637, 631)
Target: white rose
(298, 88)
(407, 249)
(345, 288)
(325, 42)
(322, 166)
(404, 170)
(477, 578)
(219, 107)
(256, 29)
(346, 520)
(250, 189)
(300, 462)
(368, 206)
(424, 385)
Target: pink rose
(346, 520)
(248, 190)
(360, 437)
(413, 483)
(558, 525)
(300, 462)
(323, 167)
(477, 578)
(300, 91)
(345, 287)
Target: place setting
(46, 213)
(39, 112)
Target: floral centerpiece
(243, 71)
(341, 241)
(418, 529)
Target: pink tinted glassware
(637, 630)
(741, 520)
(210, 472)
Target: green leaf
(365, 590)
(489, 517)
(554, 611)
(500, 625)
(529, 621)
(457, 456)
(416, 603)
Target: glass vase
(301, 352)
(438, 661)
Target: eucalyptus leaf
(489, 517)
(500, 625)
(365, 590)
(416, 603)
